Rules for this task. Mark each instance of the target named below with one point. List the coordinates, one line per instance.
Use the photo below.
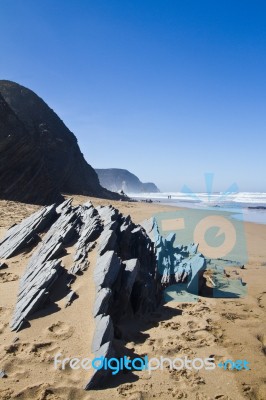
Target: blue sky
(168, 89)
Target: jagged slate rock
(19, 235)
(184, 252)
(129, 275)
(126, 223)
(88, 204)
(182, 271)
(89, 232)
(178, 258)
(122, 289)
(70, 298)
(107, 241)
(192, 248)
(80, 266)
(146, 290)
(108, 213)
(166, 277)
(42, 270)
(87, 211)
(81, 262)
(35, 292)
(64, 206)
(171, 238)
(60, 233)
(112, 225)
(137, 229)
(151, 227)
(80, 254)
(105, 351)
(197, 263)
(102, 301)
(104, 332)
(148, 225)
(181, 261)
(125, 228)
(106, 270)
(90, 246)
(178, 249)
(91, 226)
(3, 374)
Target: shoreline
(255, 215)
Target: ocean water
(249, 206)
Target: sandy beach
(222, 328)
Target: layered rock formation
(23, 175)
(39, 157)
(116, 179)
(133, 267)
(176, 263)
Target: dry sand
(225, 328)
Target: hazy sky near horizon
(168, 89)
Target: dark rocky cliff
(23, 174)
(116, 179)
(39, 156)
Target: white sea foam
(247, 198)
(244, 202)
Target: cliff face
(23, 174)
(39, 156)
(116, 179)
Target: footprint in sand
(248, 391)
(198, 310)
(192, 324)
(222, 397)
(3, 311)
(15, 348)
(127, 390)
(172, 325)
(261, 392)
(175, 392)
(8, 277)
(40, 392)
(262, 339)
(262, 300)
(16, 370)
(136, 396)
(172, 347)
(189, 336)
(61, 329)
(44, 351)
(233, 316)
(207, 336)
(187, 379)
(199, 325)
(202, 396)
(3, 326)
(179, 394)
(6, 394)
(36, 347)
